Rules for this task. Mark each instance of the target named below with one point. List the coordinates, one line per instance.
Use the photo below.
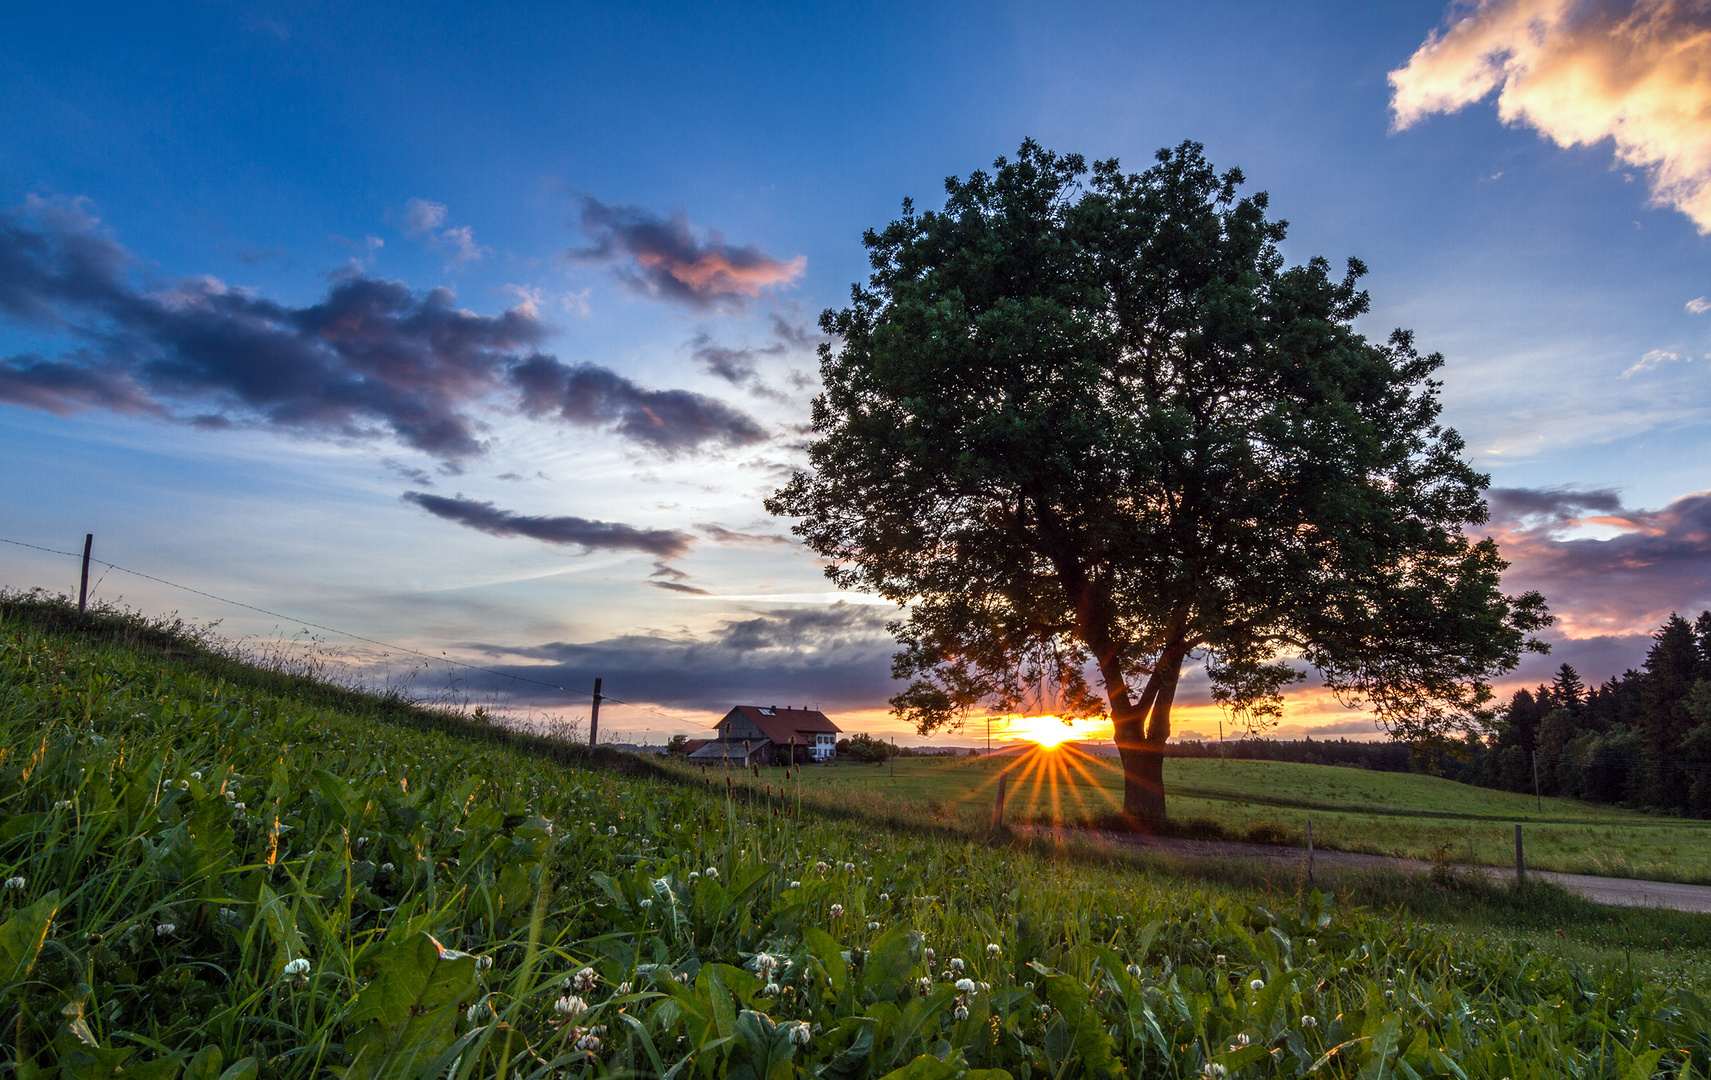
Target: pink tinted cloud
(663, 258)
(1636, 72)
(1659, 561)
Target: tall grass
(216, 871)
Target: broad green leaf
(1092, 1042)
(205, 1064)
(925, 1067)
(21, 938)
(888, 963)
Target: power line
(442, 658)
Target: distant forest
(1642, 739)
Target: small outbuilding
(764, 734)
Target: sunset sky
(485, 329)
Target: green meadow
(1379, 813)
(216, 871)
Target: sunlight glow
(1047, 731)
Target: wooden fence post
(83, 582)
(594, 717)
(998, 807)
(1309, 851)
(1520, 858)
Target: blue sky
(519, 158)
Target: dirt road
(1621, 892)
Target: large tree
(1090, 424)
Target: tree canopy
(1087, 426)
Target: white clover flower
(623, 988)
(298, 966)
(822, 867)
(584, 981)
(1134, 971)
(611, 830)
(239, 807)
(885, 898)
(795, 884)
(929, 955)
(230, 795)
(925, 984)
(184, 785)
(646, 903)
(849, 868)
(570, 1007)
(765, 961)
(770, 990)
(869, 881)
(164, 929)
(694, 875)
(993, 951)
(1309, 1022)
(63, 804)
(1238, 1042)
(195, 776)
(961, 1012)
(800, 1034)
(965, 985)
(1312, 943)
(16, 883)
(677, 828)
(482, 963)
(589, 1044)
(712, 871)
(1219, 959)
(387, 868)
(1257, 985)
(836, 911)
(956, 963)
(1214, 1071)
(477, 1012)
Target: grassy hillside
(217, 872)
(1382, 813)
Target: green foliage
(227, 882)
(1088, 420)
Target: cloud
(661, 257)
(409, 472)
(1651, 360)
(1579, 72)
(838, 655)
(1657, 562)
(580, 532)
(670, 421)
(679, 587)
(371, 358)
(721, 535)
(1698, 306)
(424, 219)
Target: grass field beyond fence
(1380, 813)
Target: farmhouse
(770, 732)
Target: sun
(1047, 731)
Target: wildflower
(623, 988)
(387, 868)
(570, 1007)
(195, 776)
(925, 984)
(800, 1034)
(1214, 1071)
(239, 807)
(1134, 971)
(965, 985)
(929, 954)
(961, 1012)
(584, 981)
(849, 868)
(477, 1012)
(298, 966)
(1308, 1022)
(482, 963)
(765, 962)
(836, 911)
(183, 785)
(694, 875)
(822, 867)
(589, 1044)
(956, 963)
(869, 881)
(17, 883)
(611, 830)
(1219, 959)
(795, 884)
(63, 804)
(986, 988)
(1312, 943)
(873, 926)
(164, 929)
(769, 990)
(992, 952)
(646, 903)
(230, 795)
(1257, 985)
(1238, 1042)
(712, 871)
(885, 898)
(677, 828)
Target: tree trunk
(1141, 731)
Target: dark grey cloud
(661, 257)
(677, 586)
(839, 656)
(580, 532)
(370, 358)
(409, 472)
(735, 366)
(1659, 561)
(721, 535)
(670, 421)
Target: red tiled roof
(780, 722)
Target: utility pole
(594, 717)
(83, 583)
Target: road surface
(1620, 892)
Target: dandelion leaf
(21, 938)
(408, 1011)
